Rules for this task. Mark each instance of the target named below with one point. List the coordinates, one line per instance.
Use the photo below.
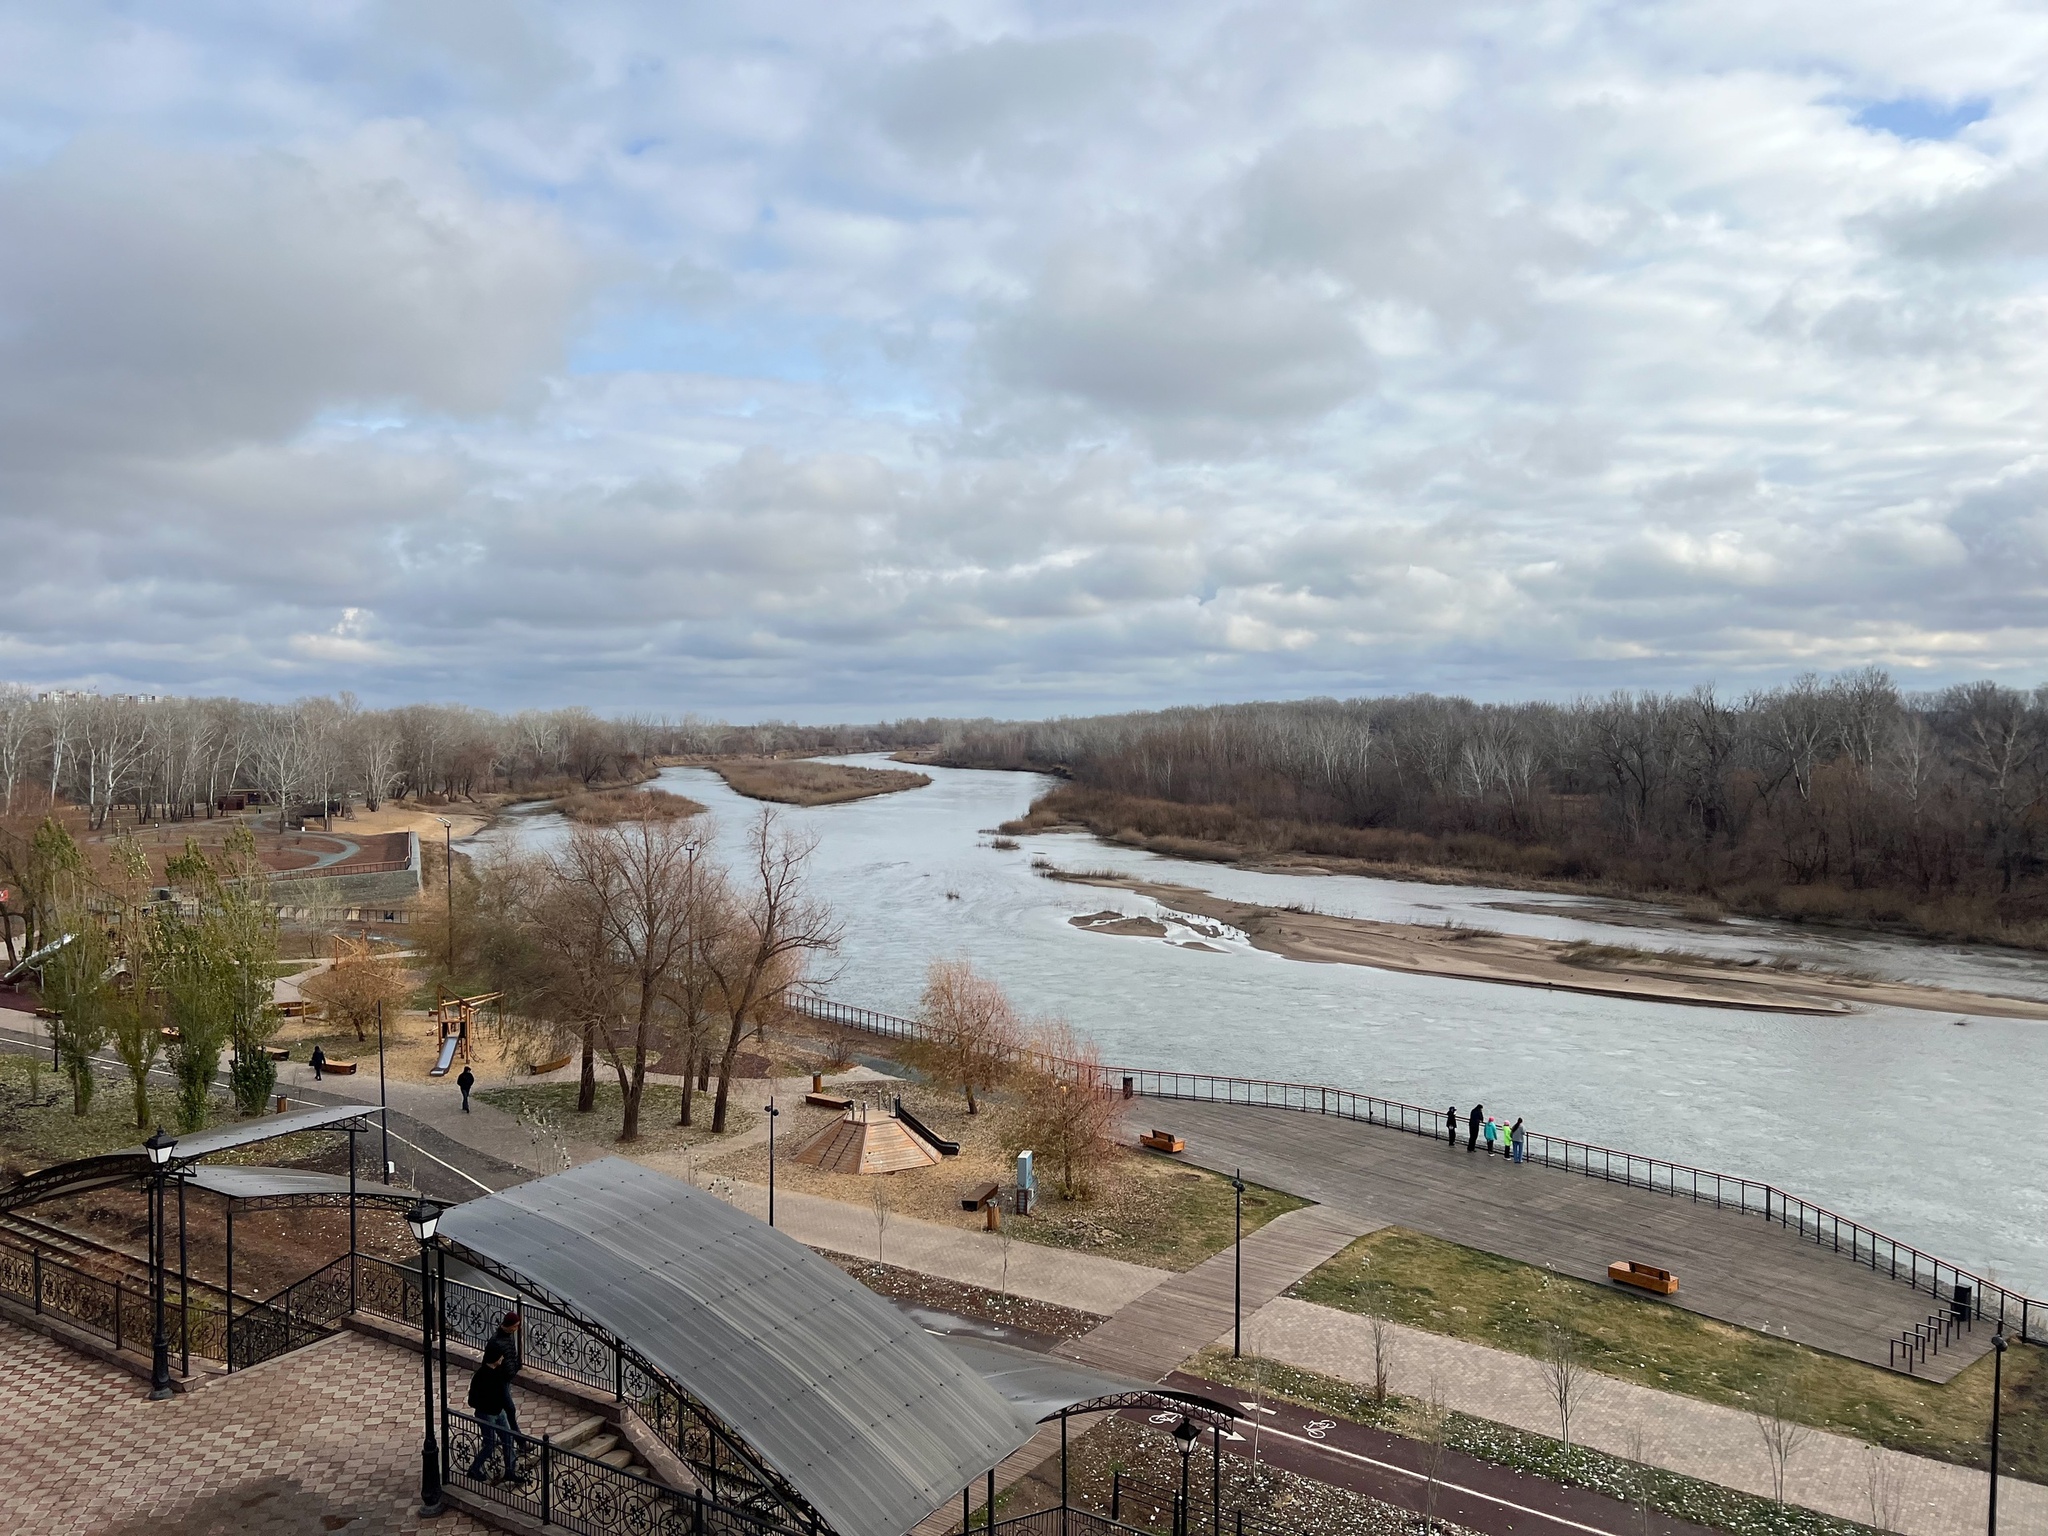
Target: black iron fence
(1151, 1506)
(120, 1311)
(1060, 1522)
(1951, 1283)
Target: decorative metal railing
(579, 1493)
(119, 1311)
(1058, 1522)
(1148, 1506)
(1961, 1288)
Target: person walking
(1515, 1135)
(466, 1082)
(1472, 1129)
(1451, 1124)
(319, 1060)
(490, 1399)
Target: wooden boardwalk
(1739, 1269)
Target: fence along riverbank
(1962, 1290)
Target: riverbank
(1472, 954)
(1219, 834)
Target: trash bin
(1127, 1087)
(1960, 1302)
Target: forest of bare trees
(1830, 798)
(173, 758)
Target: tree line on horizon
(1841, 797)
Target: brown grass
(611, 806)
(807, 783)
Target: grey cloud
(2005, 219)
(954, 103)
(168, 302)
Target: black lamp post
(1237, 1263)
(1997, 1384)
(773, 1112)
(159, 1147)
(425, 1220)
(1185, 1434)
(383, 1106)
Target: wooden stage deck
(1736, 1268)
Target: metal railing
(1983, 1299)
(335, 871)
(1152, 1507)
(578, 1492)
(1060, 1522)
(119, 1311)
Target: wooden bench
(280, 1053)
(339, 1068)
(1644, 1277)
(828, 1101)
(1162, 1141)
(554, 1064)
(975, 1196)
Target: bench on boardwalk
(975, 1196)
(1644, 1277)
(1162, 1141)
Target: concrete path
(1149, 1337)
(1737, 1268)
(1830, 1473)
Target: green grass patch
(37, 1127)
(1445, 1288)
(1160, 1213)
(659, 1104)
(1684, 1498)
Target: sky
(848, 361)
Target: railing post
(1116, 1495)
(618, 1374)
(117, 1313)
(547, 1448)
(35, 1265)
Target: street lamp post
(1997, 1385)
(448, 875)
(1185, 1434)
(159, 1147)
(1237, 1263)
(384, 1117)
(773, 1112)
(425, 1220)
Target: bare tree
(776, 928)
(971, 1034)
(1884, 1487)
(1433, 1430)
(881, 1207)
(1067, 1113)
(1563, 1376)
(1382, 1347)
(355, 987)
(1783, 1436)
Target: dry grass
(806, 783)
(609, 807)
(1149, 1210)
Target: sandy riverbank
(1516, 960)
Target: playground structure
(861, 1142)
(453, 1021)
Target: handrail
(1861, 1244)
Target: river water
(1928, 1131)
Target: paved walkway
(326, 1439)
(1737, 1268)
(1830, 1473)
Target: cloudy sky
(842, 360)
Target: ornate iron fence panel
(564, 1488)
(1061, 1522)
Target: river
(1898, 1118)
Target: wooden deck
(1736, 1268)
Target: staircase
(600, 1440)
(95, 1258)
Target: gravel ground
(1049, 1322)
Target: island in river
(1476, 954)
(799, 781)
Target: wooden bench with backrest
(1644, 1277)
(828, 1101)
(975, 1196)
(1162, 1141)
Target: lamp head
(1185, 1434)
(1998, 1342)
(159, 1148)
(424, 1220)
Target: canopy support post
(184, 1293)
(1063, 1474)
(351, 1218)
(228, 1205)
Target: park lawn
(1445, 1288)
(38, 1129)
(1156, 1212)
(658, 1107)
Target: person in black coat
(490, 1399)
(1472, 1136)
(466, 1082)
(1451, 1124)
(319, 1060)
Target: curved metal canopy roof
(869, 1419)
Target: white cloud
(849, 360)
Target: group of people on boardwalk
(1506, 1139)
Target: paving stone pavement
(323, 1440)
(1830, 1473)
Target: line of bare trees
(1927, 808)
(636, 944)
(173, 758)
